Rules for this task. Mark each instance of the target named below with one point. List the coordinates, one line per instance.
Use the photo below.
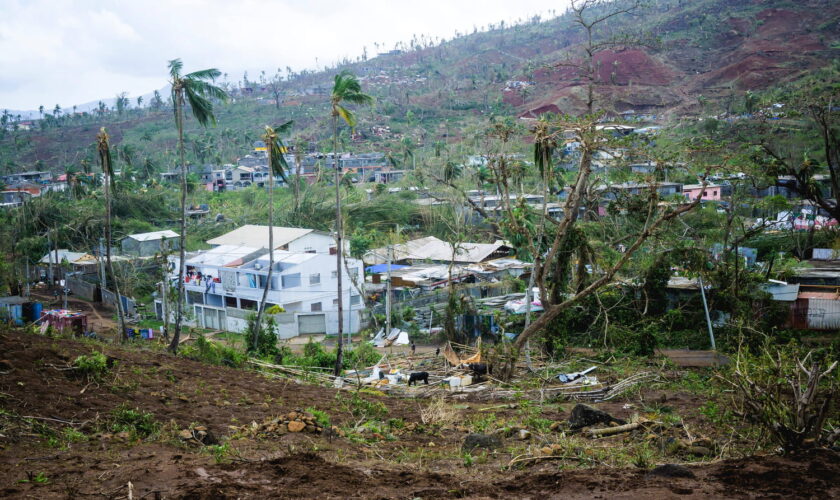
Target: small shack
(63, 320)
(64, 261)
(148, 244)
(12, 309)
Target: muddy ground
(424, 462)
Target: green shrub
(139, 424)
(361, 355)
(320, 416)
(211, 352)
(361, 408)
(92, 366)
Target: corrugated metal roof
(257, 236)
(431, 248)
(224, 255)
(71, 257)
(819, 295)
(683, 283)
(155, 235)
(782, 293)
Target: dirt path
(100, 319)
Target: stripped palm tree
(277, 166)
(104, 149)
(346, 88)
(195, 88)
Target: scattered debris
(571, 377)
(586, 416)
(295, 421)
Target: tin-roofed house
(149, 244)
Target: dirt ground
(416, 464)
(100, 319)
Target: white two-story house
(225, 285)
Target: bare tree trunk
(182, 265)
(339, 248)
(120, 312)
(258, 326)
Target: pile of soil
(184, 394)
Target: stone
(585, 416)
(546, 450)
(295, 426)
(310, 428)
(555, 426)
(477, 440)
(123, 435)
(185, 434)
(671, 470)
(199, 428)
(699, 450)
(524, 434)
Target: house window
(315, 307)
(355, 300)
(335, 302)
(333, 274)
(353, 271)
(291, 280)
(705, 193)
(714, 193)
(315, 279)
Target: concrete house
(148, 244)
(225, 285)
(712, 192)
(291, 239)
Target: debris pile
(295, 421)
(199, 435)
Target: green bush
(214, 353)
(361, 355)
(139, 424)
(361, 408)
(321, 416)
(93, 366)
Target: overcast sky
(73, 52)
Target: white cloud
(76, 52)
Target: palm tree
(105, 160)
(277, 165)
(345, 89)
(197, 90)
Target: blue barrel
(37, 310)
(17, 314)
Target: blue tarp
(383, 268)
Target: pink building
(712, 192)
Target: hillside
(435, 94)
(128, 427)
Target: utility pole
(51, 274)
(706, 309)
(388, 294)
(103, 284)
(28, 277)
(164, 312)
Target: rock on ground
(585, 416)
(473, 441)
